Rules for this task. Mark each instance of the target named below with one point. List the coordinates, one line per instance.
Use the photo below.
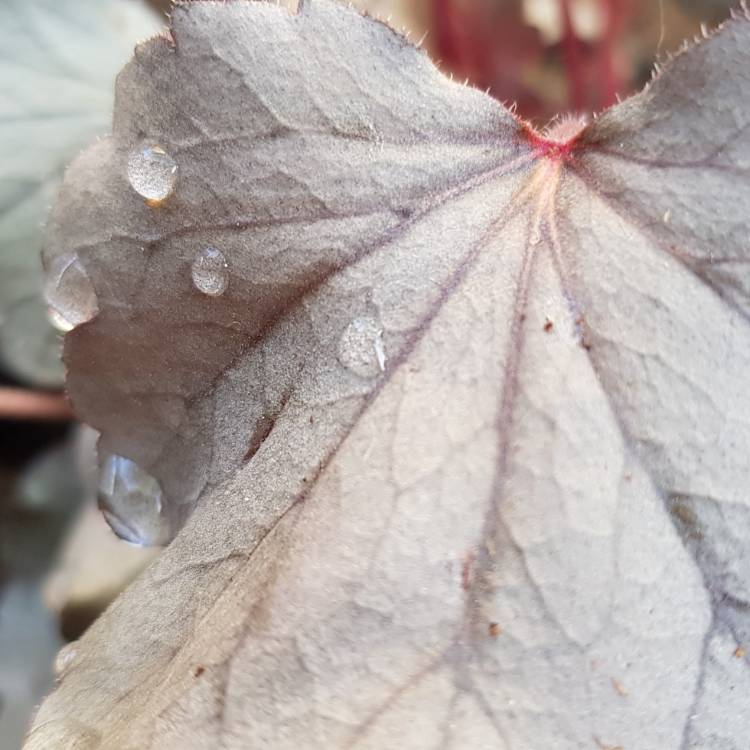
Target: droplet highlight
(65, 658)
(69, 293)
(152, 173)
(210, 272)
(132, 502)
(361, 348)
(58, 321)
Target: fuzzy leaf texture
(465, 438)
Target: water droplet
(65, 658)
(69, 293)
(667, 216)
(131, 501)
(58, 321)
(361, 347)
(210, 272)
(152, 173)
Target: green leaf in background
(33, 519)
(58, 62)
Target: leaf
(33, 514)
(57, 67)
(466, 434)
(28, 641)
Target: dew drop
(210, 272)
(65, 658)
(152, 173)
(69, 293)
(361, 347)
(131, 501)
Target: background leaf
(33, 519)
(57, 67)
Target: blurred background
(60, 565)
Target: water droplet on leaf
(131, 501)
(65, 658)
(152, 173)
(210, 272)
(361, 347)
(58, 321)
(69, 293)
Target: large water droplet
(210, 271)
(131, 501)
(65, 658)
(361, 347)
(69, 293)
(58, 321)
(152, 173)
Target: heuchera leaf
(466, 433)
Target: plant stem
(20, 404)
(611, 81)
(573, 60)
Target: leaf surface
(464, 439)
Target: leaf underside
(530, 528)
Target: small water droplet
(667, 216)
(65, 658)
(131, 501)
(210, 272)
(361, 348)
(152, 173)
(69, 293)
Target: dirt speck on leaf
(495, 630)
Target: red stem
(17, 403)
(462, 42)
(573, 60)
(448, 36)
(610, 78)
